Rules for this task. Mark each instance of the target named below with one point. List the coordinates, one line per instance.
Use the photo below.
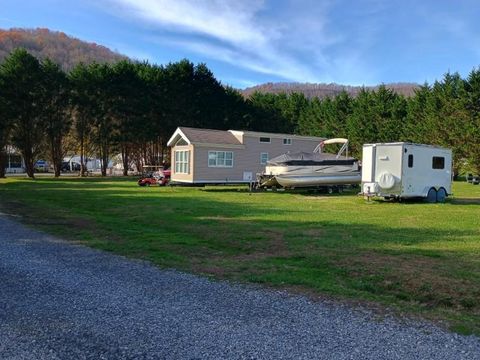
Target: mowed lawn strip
(417, 258)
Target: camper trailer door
(368, 163)
(388, 168)
(413, 165)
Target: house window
(287, 141)
(438, 162)
(220, 159)
(263, 158)
(182, 162)
(265, 140)
(410, 161)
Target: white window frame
(264, 137)
(218, 164)
(262, 160)
(287, 141)
(182, 161)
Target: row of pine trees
(100, 110)
(132, 109)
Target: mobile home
(205, 156)
(406, 170)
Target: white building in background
(14, 163)
(92, 164)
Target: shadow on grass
(224, 189)
(464, 201)
(191, 213)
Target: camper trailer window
(265, 140)
(410, 161)
(438, 162)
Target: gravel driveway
(64, 301)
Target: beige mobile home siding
(245, 159)
(183, 177)
(204, 173)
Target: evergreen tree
(157, 122)
(128, 96)
(311, 120)
(101, 111)
(56, 114)
(472, 103)
(360, 127)
(81, 101)
(5, 126)
(388, 114)
(447, 117)
(23, 95)
(292, 107)
(342, 109)
(417, 124)
(236, 113)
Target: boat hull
(318, 180)
(312, 170)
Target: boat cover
(305, 158)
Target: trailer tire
(441, 195)
(431, 196)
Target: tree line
(124, 108)
(133, 108)
(446, 113)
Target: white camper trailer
(405, 170)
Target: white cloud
(289, 41)
(266, 63)
(231, 21)
(239, 83)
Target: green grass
(420, 259)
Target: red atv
(155, 178)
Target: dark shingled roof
(210, 136)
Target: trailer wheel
(441, 195)
(431, 196)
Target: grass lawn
(422, 259)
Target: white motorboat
(316, 169)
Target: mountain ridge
(65, 50)
(322, 90)
(68, 51)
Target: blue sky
(247, 42)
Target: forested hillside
(322, 91)
(60, 48)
